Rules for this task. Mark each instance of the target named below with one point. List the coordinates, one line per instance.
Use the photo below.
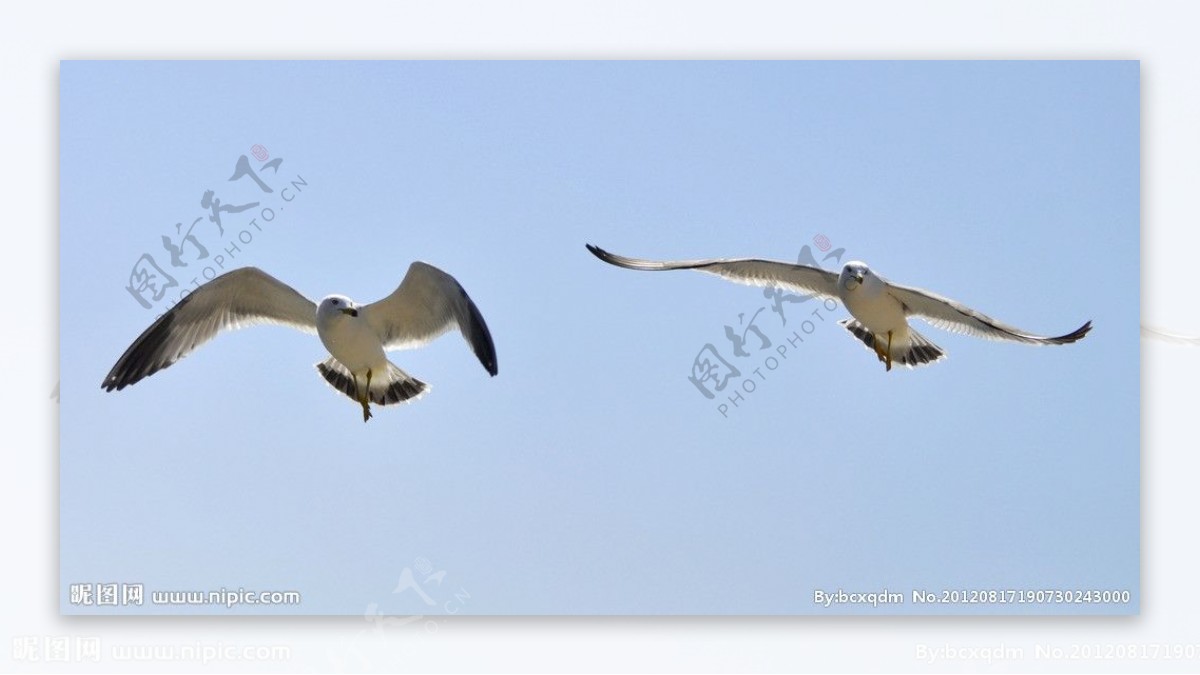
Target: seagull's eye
(335, 302)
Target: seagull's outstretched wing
(427, 303)
(802, 278)
(1175, 338)
(958, 318)
(235, 299)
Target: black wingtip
(598, 252)
(622, 261)
(490, 363)
(488, 358)
(612, 258)
(480, 339)
(140, 360)
(1075, 335)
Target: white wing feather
(428, 303)
(750, 271)
(958, 318)
(235, 299)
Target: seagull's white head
(336, 306)
(856, 276)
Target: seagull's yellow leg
(889, 351)
(875, 344)
(364, 396)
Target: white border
(1162, 35)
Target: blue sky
(591, 476)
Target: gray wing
(803, 278)
(235, 299)
(1174, 338)
(428, 303)
(958, 318)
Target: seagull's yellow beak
(349, 310)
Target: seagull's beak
(349, 310)
(859, 277)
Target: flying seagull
(427, 303)
(880, 308)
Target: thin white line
(1166, 336)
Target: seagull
(880, 308)
(427, 303)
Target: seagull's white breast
(871, 304)
(352, 341)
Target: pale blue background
(590, 476)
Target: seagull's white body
(882, 320)
(350, 339)
(871, 304)
(427, 303)
(880, 308)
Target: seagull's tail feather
(396, 386)
(917, 350)
(920, 351)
